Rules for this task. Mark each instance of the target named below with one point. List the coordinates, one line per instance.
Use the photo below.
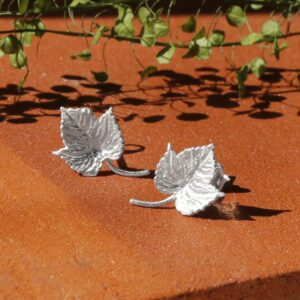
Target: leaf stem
(152, 204)
(125, 172)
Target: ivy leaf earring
(89, 141)
(193, 178)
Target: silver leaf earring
(89, 141)
(193, 178)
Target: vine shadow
(179, 91)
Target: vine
(151, 31)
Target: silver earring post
(152, 204)
(139, 173)
(90, 141)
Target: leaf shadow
(236, 211)
(230, 187)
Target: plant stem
(135, 40)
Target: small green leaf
(252, 38)
(258, 66)
(1, 53)
(84, 55)
(204, 48)
(40, 26)
(148, 71)
(192, 52)
(23, 5)
(165, 55)
(271, 28)
(217, 37)
(243, 72)
(277, 49)
(10, 45)
(160, 28)
(236, 16)
(122, 30)
(190, 25)
(124, 25)
(144, 15)
(200, 34)
(41, 6)
(100, 76)
(256, 6)
(99, 33)
(75, 3)
(18, 60)
(242, 75)
(148, 38)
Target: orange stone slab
(65, 236)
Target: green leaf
(84, 55)
(277, 49)
(148, 38)
(26, 38)
(148, 71)
(41, 6)
(99, 33)
(124, 25)
(75, 3)
(144, 14)
(192, 52)
(217, 37)
(122, 30)
(23, 5)
(271, 28)
(165, 55)
(252, 38)
(10, 45)
(1, 3)
(1, 53)
(256, 6)
(190, 25)
(204, 48)
(100, 76)
(18, 60)
(242, 75)
(200, 34)
(258, 66)
(236, 16)
(40, 26)
(160, 28)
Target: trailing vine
(151, 30)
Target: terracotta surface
(64, 236)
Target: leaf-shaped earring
(193, 177)
(89, 141)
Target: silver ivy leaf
(193, 177)
(89, 140)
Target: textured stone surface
(64, 236)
